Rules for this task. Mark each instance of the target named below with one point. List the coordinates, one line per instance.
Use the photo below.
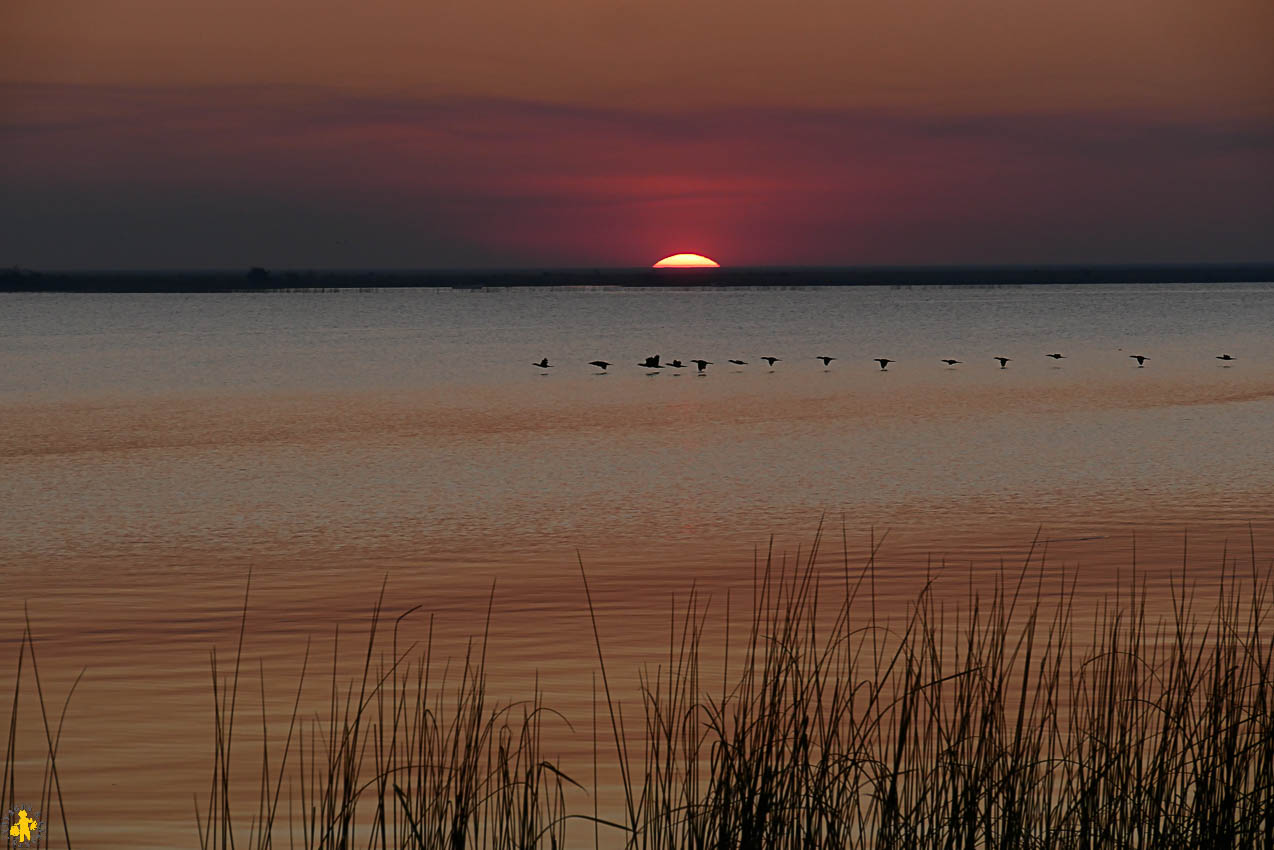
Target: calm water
(154, 448)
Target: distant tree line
(259, 278)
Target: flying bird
(827, 361)
(651, 362)
(772, 360)
(739, 362)
(1225, 357)
(600, 364)
(1056, 356)
(1141, 360)
(677, 364)
(884, 361)
(702, 364)
(952, 362)
(1004, 361)
(543, 364)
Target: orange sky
(931, 54)
(490, 131)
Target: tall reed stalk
(48, 807)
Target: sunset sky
(461, 133)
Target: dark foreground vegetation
(1017, 719)
(275, 280)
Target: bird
(1141, 360)
(827, 361)
(600, 364)
(884, 361)
(739, 362)
(1225, 357)
(651, 362)
(772, 360)
(1056, 356)
(702, 364)
(677, 364)
(952, 362)
(543, 364)
(1004, 361)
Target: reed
(406, 756)
(1014, 717)
(996, 725)
(51, 807)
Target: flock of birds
(652, 362)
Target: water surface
(154, 448)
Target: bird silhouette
(1141, 360)
(827, 361)
(772, 360)
(543, 364)
(1004, 361)
(1225, 357)
(884, 361)
(1056, 356)
(952, 362)
(677, 364)
(651, 362)
(739, 362)
(600, 364)
(702, 364)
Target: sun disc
(687, 261)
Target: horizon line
(15, 270)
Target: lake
(155, 449)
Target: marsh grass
(1009, 721)
(407, 756)
(51, 809)
(1019, 716)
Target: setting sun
(687, 261)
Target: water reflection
(157, 448)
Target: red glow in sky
(150, 134)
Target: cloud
(305, 177)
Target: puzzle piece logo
(24, 828)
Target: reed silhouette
(1015, 719)
(50, 783)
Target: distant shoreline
(265, 280)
